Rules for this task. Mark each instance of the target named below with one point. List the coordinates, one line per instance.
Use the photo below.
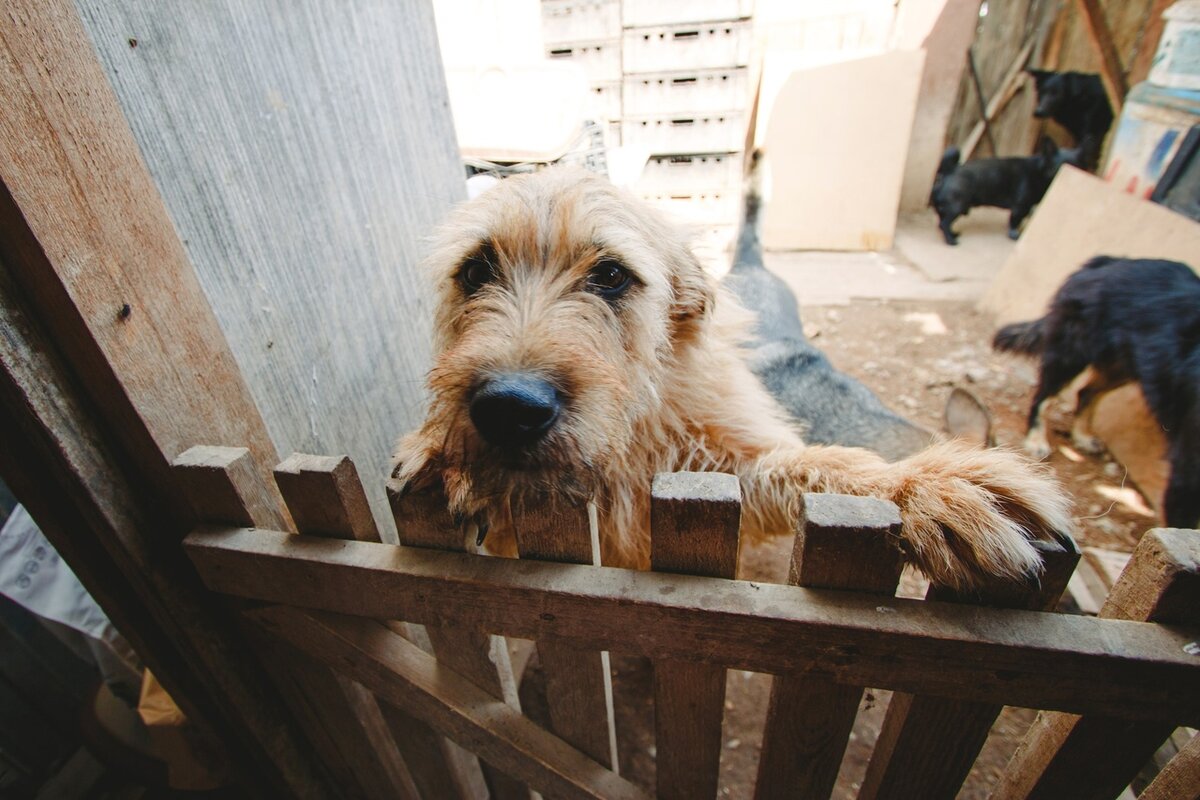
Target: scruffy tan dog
(581, 348)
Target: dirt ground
(910, 352)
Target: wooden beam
(1147, 43)
(403, 675)
(1055, 661)
(1006, 92)
(1112, 74)
(1180, 778)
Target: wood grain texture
(927, 745)
(303, 157)
(578, 680)
(1180, 778)
(1053, 661)
(423, 521)
(405, 676)
(1095, 756)
(225, 486)
(842, 543)
(1112, 74)
(390, 755)
(695, 519)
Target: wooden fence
(393, 660)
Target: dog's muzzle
(514, 409)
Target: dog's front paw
(971, 516)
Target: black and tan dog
(1077, 101)
(1128, 320)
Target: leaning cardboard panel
(837, 139)
(1080, 217)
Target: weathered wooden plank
(1054, 661)
(1008, 89)
(325, 498)
(1112, 75)
(422, 520)
(695, 519)
(927, 745)
(578, 681)
(225, 486)
(1147, 42)
(80, 226)
(842, 543)
(1180, 778)
(303, 158)
(403, 675)
(1095, 756)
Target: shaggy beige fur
(655, 383)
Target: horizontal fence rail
(1119, 668)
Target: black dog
(1078, 102)
(1129, 320)
(832, 407)
(1017, 183)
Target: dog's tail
(947, 165)
(747, 254)
(1027, 338)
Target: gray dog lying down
(833, 407)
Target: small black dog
(1016, 183)
(1078, 102)
(1129, 320)
(831, 406)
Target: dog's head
(562, 303)
(1052, 90)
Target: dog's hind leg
(1057, 371)
(1181, 503)
(1099, 383)
(968, 514)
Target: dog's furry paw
(971, 515)
(1036, 445)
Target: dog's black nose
(514, 409)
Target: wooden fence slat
(695, 519)
(422, 520)
(1112, 74)
(1006, 91)
(842, 543)
(578, 682)
(1061, 662)
(404, 675)
(326, 499)
(1180, 778)
(927, 745)
(1094, 756)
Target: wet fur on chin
(655, 381)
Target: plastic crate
(665, 12)
(565, 21)
(711, 45)
(720, 132)
(601, 60)
(604, 101)
(704, 173)
(686, 92)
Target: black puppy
(1129, 320)
(1017, 184)
(1078, 102)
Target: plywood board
(945, 38)
(1080, 217)
(303, 157)
(837, 139)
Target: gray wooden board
(304, 151)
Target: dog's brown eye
(478, 270)
(608, 279)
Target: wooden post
(914, 755)
(422, 520)
(843, 543)
(1093, 756)
(1180, 778)
(578, 682)
(1111, 72)
(694, 523)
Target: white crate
(580, 20)
(710, 45)
(601, 61)
(603, 101)
(704, 173)
(686, 92)
(665, 12)
(720, 132)
(696, 209)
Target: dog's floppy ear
(693, 295)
